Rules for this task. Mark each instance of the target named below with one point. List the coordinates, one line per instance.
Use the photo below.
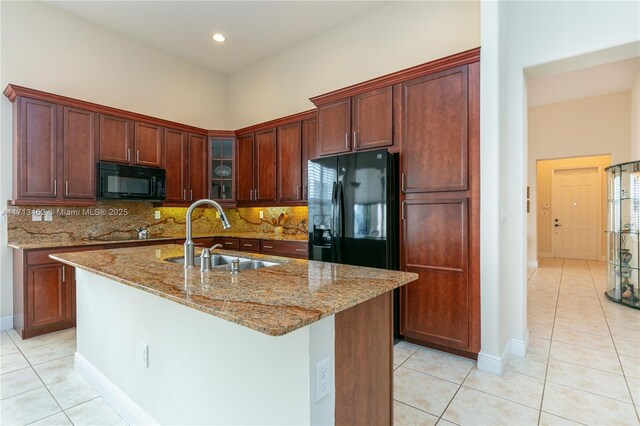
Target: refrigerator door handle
(339, 222)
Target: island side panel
(364, 363)
(202, 369)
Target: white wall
(530, 33)
(635, 120)
(211, 370)
(388, 39)
(577, 128)
(48, 49)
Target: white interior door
(576, 198)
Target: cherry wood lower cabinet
(435, 308)
(43, 292)
(299, 249)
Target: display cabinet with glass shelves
(221, 184)
(623, 229)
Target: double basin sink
(223, 262)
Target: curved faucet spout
(188, 244)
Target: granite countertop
(106, 241)
(274, 300)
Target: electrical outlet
(144, 355)
(48, 216)
(36, 216)
(261, 214)
(156, 214)
(323, 379)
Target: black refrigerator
(353, 211)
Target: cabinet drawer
(41, 257)
(250, 245)
(229, 243)
(285, 248)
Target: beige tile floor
(582, 367)
(39, 386)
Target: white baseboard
(544, 254)
(532, 263)
(125, 406)
(7, 323)
(519, 347)
(497, 364)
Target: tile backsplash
(119, 220)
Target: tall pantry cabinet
(429, 114)
(440, 209)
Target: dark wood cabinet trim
(458, 59)
(12, 91)
(282, 121)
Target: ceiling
(254, 30)
(598, 80)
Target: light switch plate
(48, 216)
(261, 214)
(36, 216)
(156, 214)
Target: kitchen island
(299, 342)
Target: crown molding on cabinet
(448, 62)
(300, 116)
(13, 91)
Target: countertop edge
(275, 332)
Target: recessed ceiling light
(219, 37)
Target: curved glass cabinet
(623, 228)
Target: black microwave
(124, 182)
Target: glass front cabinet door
(623, 228)
(222, 169)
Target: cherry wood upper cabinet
(309, 151)
(198, 167)
(290, 162)
(177, 171)
(79, 155)
(265, 166)
(149, 145)
(435, 132)
(115, 139)
(334, 127)
(37, 149)
(245, 168)
(435, 308)
(372, 120)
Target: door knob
(556, 225)
(555, 220)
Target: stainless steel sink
(223, 262)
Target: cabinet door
(115, 139)
(334, 127)
(435, 140)
(198, 167)
(290, 162)
(309, 151)
(148, 145)
(177, 173)
(265, 166)
(373, 119)
(245, 168)
(47, 295)
(37, 149)
(79, 158)
(435, 308)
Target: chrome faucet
(188, 244)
